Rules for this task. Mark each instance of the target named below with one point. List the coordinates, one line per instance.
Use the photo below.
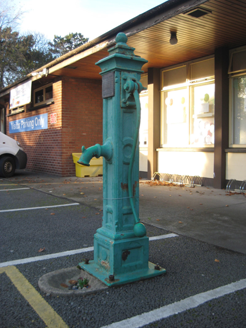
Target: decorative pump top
(121, 47)
(121, 57)
(121, 38)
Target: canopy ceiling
(222, 24)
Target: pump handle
(134, 88)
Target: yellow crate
(95, 169)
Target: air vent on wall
(198, 12)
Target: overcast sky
(91, 18)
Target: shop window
(143, 129)
(201, 69)
(174, 76)
(238, 110)
(237, 61)
(43, 95)
(187, 116)
(237, 71)
(175, 117)
(202, 120)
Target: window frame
(44, 102)
(231, 112)
(232, 75)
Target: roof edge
(109, 37)
(170, 4)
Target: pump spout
(97, 150)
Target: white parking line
(169, 235)
(66, 253)
(14, 189)
(37, 208)
(178, 307)
(46, 257)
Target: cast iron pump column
(121, 247)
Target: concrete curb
(50, 283)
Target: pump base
(103, 275)
(120, 261)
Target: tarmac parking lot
(48, 223)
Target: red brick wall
(81, 118)
(43, 147)
(78, 106)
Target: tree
(22, 54)
(9, 15)
(35, 53)
(19, 55)
(8, 50)
(62, 45)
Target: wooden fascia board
(81, 55)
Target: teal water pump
(121, 247)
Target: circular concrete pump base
(50, 283)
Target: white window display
(187, 117)
(143, 129)
(239, 110)
(202, 127)
(237, 72)
(176, 117)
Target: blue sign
(39, 122)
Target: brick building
(74, 113)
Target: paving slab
(206, 214)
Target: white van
(12, 156)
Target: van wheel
(7, 167)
